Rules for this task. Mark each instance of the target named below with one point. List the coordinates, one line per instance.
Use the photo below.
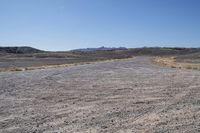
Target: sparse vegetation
(173, 63)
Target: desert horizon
(99, 66)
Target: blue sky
(71, 24)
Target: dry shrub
(171, 62)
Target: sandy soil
(108, 97)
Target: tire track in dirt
(119, 96)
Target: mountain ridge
(19, 50)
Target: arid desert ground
(106, 97)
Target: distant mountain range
(100, 49)
(130, 51)
(19, 50)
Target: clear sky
(71, 24)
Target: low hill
(99, 49)
(19, 50)
(154, 51)
(162, 51)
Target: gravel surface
(120, 96)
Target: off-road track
(119, 96)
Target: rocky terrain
(120, 96)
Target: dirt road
(120, 96)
